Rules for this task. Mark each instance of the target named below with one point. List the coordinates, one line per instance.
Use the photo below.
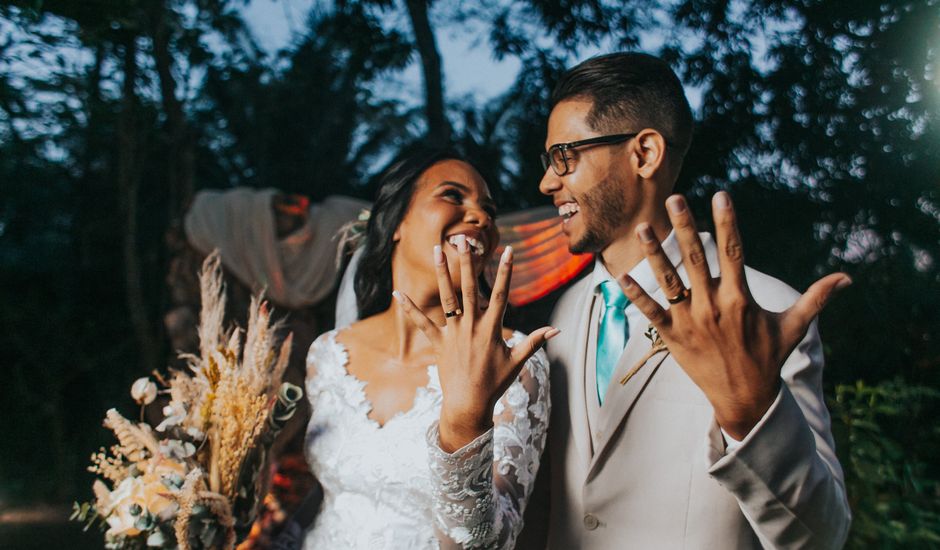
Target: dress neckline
(365, 404)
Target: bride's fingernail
(552, 333)
(721, 200)
(461, 243)
(438, 255)
(507, 254)
(397, 296)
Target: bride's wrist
(457, 428)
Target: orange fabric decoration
(541, 262)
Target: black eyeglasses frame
(611, 139)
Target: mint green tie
(612, 336)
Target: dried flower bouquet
(194, 480)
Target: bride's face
(450, 198)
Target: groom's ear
(648, 153)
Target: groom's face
(592, 196)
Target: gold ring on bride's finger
(683, 294)
(456, 313)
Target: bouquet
(194, 481)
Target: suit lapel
(620, 399)
(577, 359)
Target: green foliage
(504, 136)
(830, 145)
(888, 445)
(314, 127)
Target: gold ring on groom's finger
(456, 313)
(681, 297)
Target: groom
(710, 430)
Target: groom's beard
(605, 207)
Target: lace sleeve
(480, 491)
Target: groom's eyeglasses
(557, 155)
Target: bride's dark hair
(373, 281)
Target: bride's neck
(409, 340)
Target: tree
(107, 151)
(838, 131)
(315, 127)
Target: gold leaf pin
(657, 345)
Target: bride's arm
(484, 450)
(480, 491)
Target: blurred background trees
(820, 117)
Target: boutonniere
(656, 345)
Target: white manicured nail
(721, 200)
(507, 255)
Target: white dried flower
(144, 391)
(174, 448)
(195, 433)
(175, 413)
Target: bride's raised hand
(475, 365)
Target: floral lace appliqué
(393, 487)
(480, 491)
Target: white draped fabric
(298, 270)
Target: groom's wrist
(739, 417)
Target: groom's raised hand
(726, 343)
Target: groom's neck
(625, 251)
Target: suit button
(591, 522)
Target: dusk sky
(468, 67)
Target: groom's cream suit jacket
(649, 469)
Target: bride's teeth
(475, 246)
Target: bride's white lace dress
(392, 486)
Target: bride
(428, 416)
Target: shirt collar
(600, 274)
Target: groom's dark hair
(373, 282)
(629, 92)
